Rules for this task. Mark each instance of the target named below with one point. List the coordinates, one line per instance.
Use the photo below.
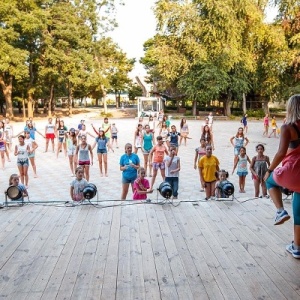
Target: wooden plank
(136, 266)
(19, 232)
(178, 271)
(111, 268)
(85, 272)
(164, 272)
(69, 243)
(97, 270)
(124, 258)
(149, 271)
(186, 256)
(10, 217)
(244, 262)
(198, 238)
(262, 248)
(24, 255)
(72, 274)
(48, 255)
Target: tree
(12, 57)
(210, 49)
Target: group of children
(211, 177)
(163, 156)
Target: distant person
(79, 127)
(206, 122)
(50, 134)
(266, 125)
(274, 127)
(210, 120)
(244, 121)
(114, 135)
(184, 131)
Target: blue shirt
(129, 173)
(101, 143)
(31, 131)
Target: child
(240, 161)
(102, 142)
(239, 141)
(208, 166)
(138, 137)
(173, 136)
(77, 185)
(114, 135)
(14, 180)
(172, 164)
(222, 176)
(259, 166)
(274, 127)
(199, 152)
(141, 186)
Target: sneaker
(294, 252)
(281, 217)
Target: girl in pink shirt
(141, 186)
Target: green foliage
(106, 115)
(256, 113)
(49, 47)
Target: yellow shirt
(208, 166)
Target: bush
(104, 115)
(256, 113)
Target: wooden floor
(197, 250)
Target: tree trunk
(265, 105)
(118, 99)
(227, 102)
(244, 103)
(194, 108)
(30, 105)
(70, 98)
(24, 109)
(104, 99)
(6, 86)
(51, 100)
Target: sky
(137, 24)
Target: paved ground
(54, 175)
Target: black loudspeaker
(89, 191)
(165, 189)
(286, 191)
(14, 193)
(226, 187)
